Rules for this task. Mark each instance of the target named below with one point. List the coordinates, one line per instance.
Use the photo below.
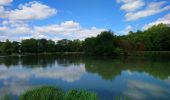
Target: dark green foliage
(63, 45)
(80, 95)
(29, 46)
(15, 47)
(44, 93)
(156, 38)
(42, 45)
(103, 44)
(53, 93)
(50, 46)
(76, 46)
(6, 97)
(37, 46)
(69, 46)
(9, 47)
(6, 47)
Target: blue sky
(78, 19)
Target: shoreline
(136, 53)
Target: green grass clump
(43, 93)
(53, 93)
(6, 97)
(80, 95)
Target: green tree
(42, 45)
(51, 46)
(7, 47)
(29, 46)
(63, 45)
(15, 47)
(103, 44)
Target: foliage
(53, 93)
(80, 95)
(6, 47)
(103, 44)
(118, 51)
(44, 93)
(29, 46)
(156, 38)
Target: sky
(78, 19)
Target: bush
(53, 93)
(118, 51)
(43, 93)
(80, 95)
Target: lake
(136, 78)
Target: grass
(54, 93)
(43, 93)
(6, 97)
(80, 95)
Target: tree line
(156, 38)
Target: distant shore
(135, 53)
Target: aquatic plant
(54, 93)
(43, 93)
(80, 95)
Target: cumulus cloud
(31, 11)
(151, 9)
(69, 28)
(131, 5)
(5, 2)
(2, 12)
(11, 31)
(136, 9)
(14, 22)
(164, 20)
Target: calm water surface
(140, 78)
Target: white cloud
(152, 8)
(2, 12)
(14, 22)
(131, 5)
(31, 11)
(69, 28)
(164, 20)
(5, 2)
(136, 9)
(85, 33)
(70, 24)
(11, 31)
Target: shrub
(80, 95)
(118, 51)
(53, 93)
(43, 93)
